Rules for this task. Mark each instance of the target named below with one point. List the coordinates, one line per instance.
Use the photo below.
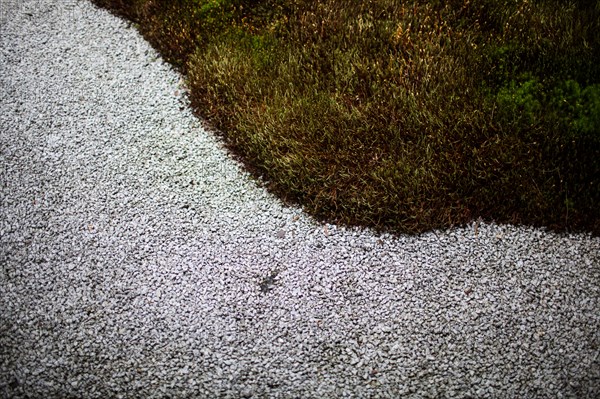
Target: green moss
(521, 102)
(579, 108)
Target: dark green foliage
(407, 115)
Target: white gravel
(138, 260)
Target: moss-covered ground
(401, 115)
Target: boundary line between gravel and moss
(399, 115)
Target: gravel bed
(137, 259)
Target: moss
(402, 115)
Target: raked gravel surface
(138, 260)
